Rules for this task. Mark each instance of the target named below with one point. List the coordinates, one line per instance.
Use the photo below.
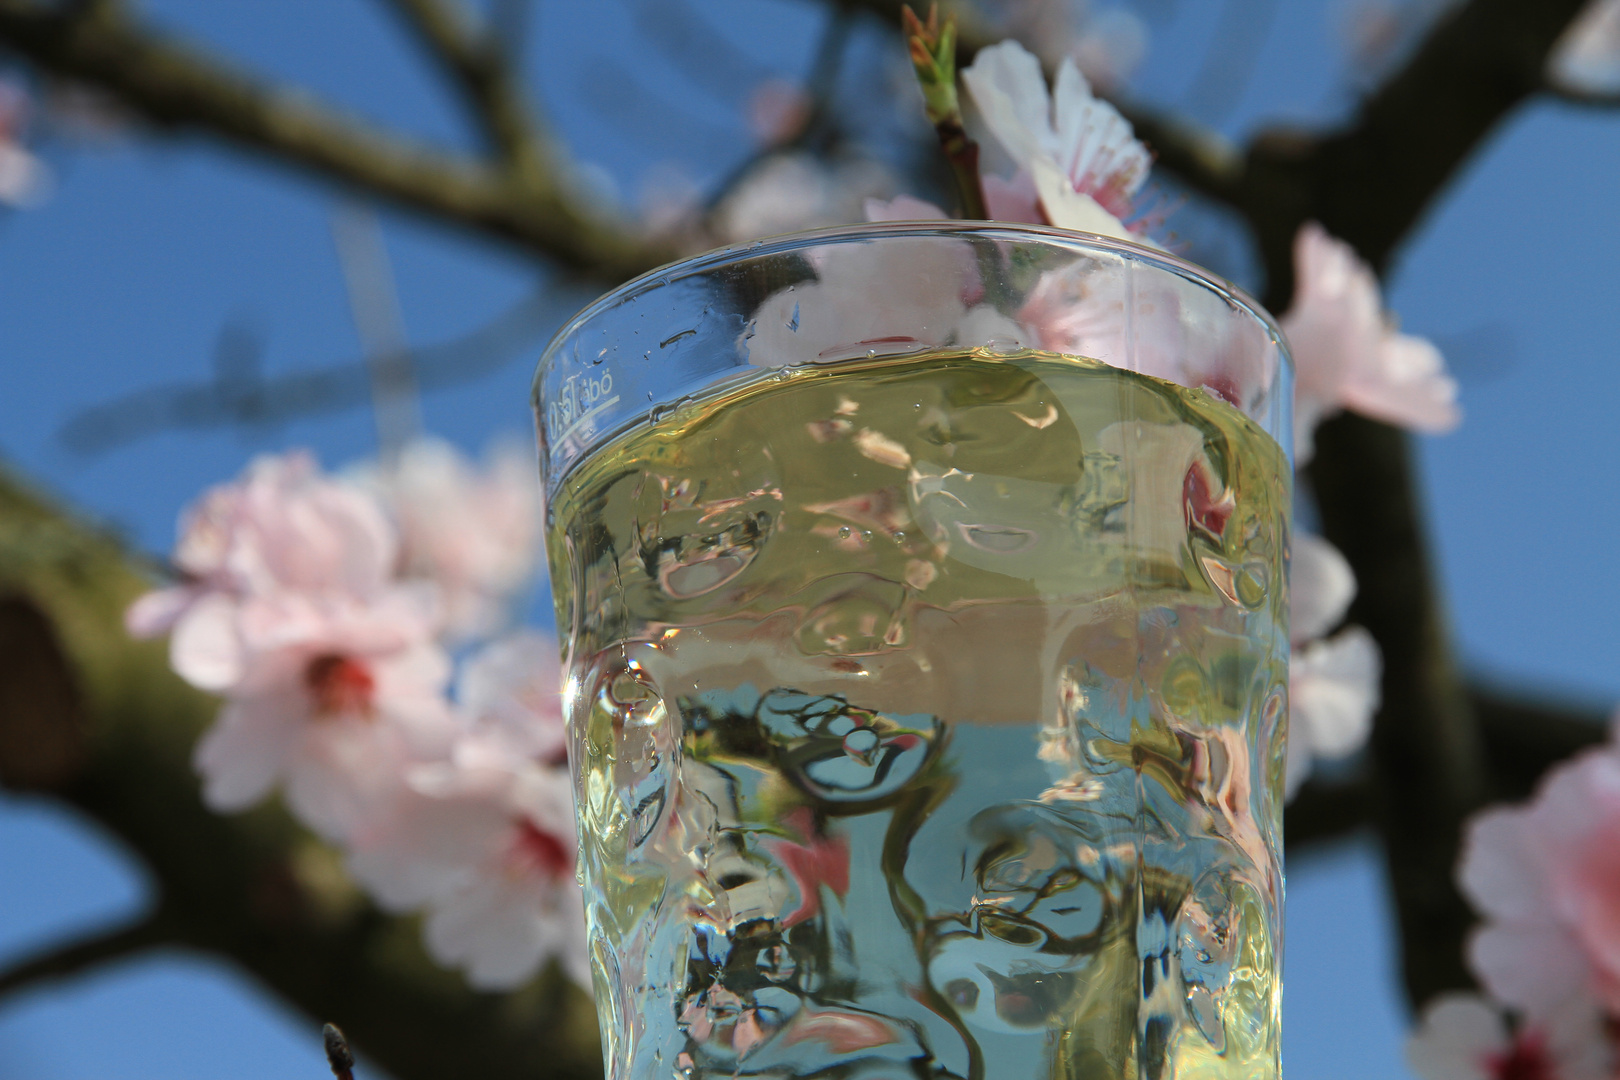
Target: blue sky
(125, 278)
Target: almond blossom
(1079, 166)
(1545, 876)
(289, 609)
(473, 533)
(485, 840)
(1464, 1037)
(1346, 353)
(281, 526)
(331, 697)
(1586, 59)
(1333, 684)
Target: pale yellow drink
(916, 706)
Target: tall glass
(923, 598)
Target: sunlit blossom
(332, 698)
(1347, 355)
(1464, 1037)
(484, 839)
(1333, 684)
(1545, 876)
(1074, 153)
(473, 532)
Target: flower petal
(1320, 587)
(206, 646)
(1455, 1037)
(1333, 691)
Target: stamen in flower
(534, 849)
(340, 685)
(1526, 1058)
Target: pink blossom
(1347, 355)
(1165, 326)
(796, 191)
(1586, 59)
(280, 526)
(474, 533)
(910, 292)
(1333, 694)
(1546, 878)
(1464, 1037)
(1320, 588)
(329, 696)
(1333, 684)
(484, 840)
(1076, 151)
(522, 905)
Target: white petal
(1498, 869)
(1070, 209)
(1333, 692)
(1539, 969)
(243, 754)
(495, 929)
(1586, 59)
(156, 612)
(1007, 85)
(206, 647)
(1320, 587)
(1455, 1036)
(1407, 385)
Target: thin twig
(820, 86)
(479, 68)
(62, 961)
(178, 88)
(374, 303)
(240, 396)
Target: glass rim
(662, 276)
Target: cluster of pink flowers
(320, 610)
(1545, 876)
(1080, 166)
(24, 178)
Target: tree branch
(478, 68)
(177, 88)
(251, 887)
(79, 955)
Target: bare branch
(479, 69)
(83, 954)
(238, 396)
(175, 87)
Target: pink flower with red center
(1079, 165)
(281, 527)
(484, 838)
(1546, 878)
(332, 698)
(1464, 1037)
(1346, 353)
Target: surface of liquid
(928, 721)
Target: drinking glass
(922, 589)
